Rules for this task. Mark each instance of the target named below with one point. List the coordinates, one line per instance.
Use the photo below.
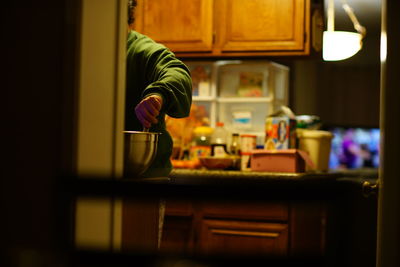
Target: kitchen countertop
(186, 183)
(308, 185)
(201, 176)
(229, 174)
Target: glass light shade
(339, 45)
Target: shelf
(203, 98)
(244, 99)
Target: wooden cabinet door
(181, 25)
(261, 25)
(243, 238)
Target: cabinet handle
(244, 233)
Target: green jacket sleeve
(163, 74)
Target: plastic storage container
(318, 145)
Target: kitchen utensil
(139, 151)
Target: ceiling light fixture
(339, 45)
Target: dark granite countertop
(201, 176)
(185, 183)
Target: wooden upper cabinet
(261, 25)
(224, 28)
(181, 25)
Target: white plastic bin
(318, 145)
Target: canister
(318, 145)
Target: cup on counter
(245, 161)
(247, 144)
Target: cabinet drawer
(246, 210)
(243, 238)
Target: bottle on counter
(219, 141)
(234, 148)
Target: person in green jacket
(157, 84)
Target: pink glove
(148, 109)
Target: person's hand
(148, 109)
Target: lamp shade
(339, 45)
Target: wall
(342, 92)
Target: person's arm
(154, 73)
(170, 79)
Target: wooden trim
(247, 54)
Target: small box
(280, 130)
(285, 160)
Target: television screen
(354, 147)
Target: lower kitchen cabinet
(244, 228)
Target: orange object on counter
(186, 164)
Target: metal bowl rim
(139, 132)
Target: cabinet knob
(369, 189)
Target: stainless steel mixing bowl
(139, 151)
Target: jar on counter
(201, 145)
(202, 135)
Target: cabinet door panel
(243, 238)
(261, 25)
(176, 207)
(177, 234)
(181, 25)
